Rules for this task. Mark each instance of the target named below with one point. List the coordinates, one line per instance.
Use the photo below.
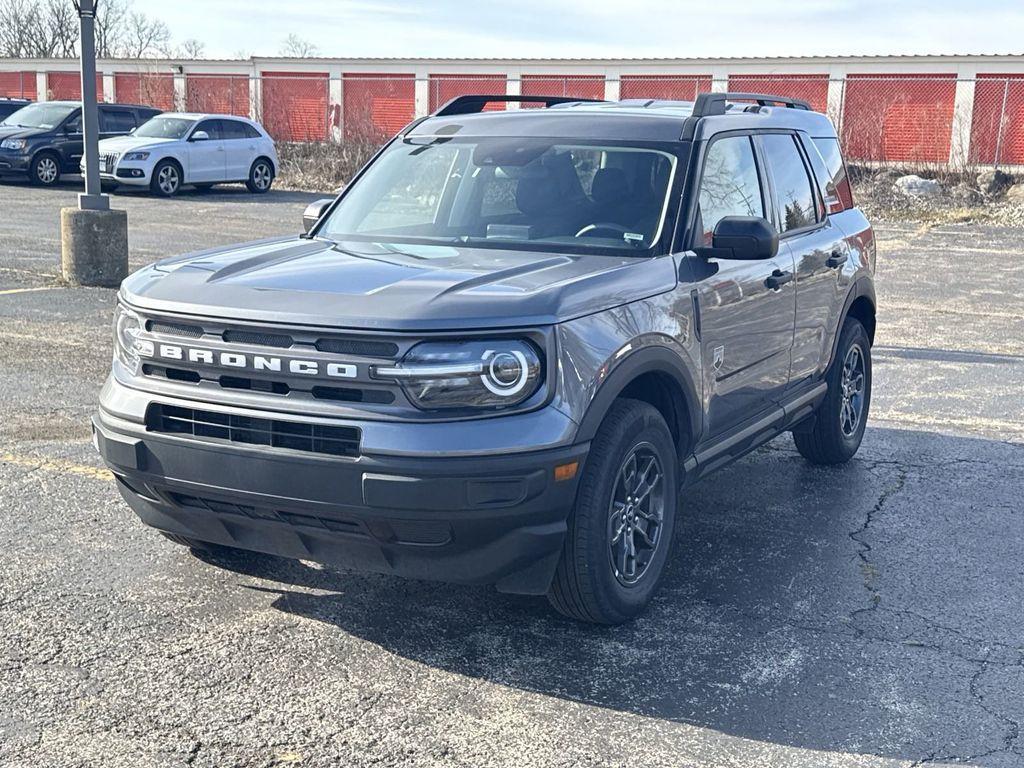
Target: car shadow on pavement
(867, 608)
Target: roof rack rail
(472, 103)
(714, 103)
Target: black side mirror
(314, 211)
(742, 237)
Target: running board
(734, 445)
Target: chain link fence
(895, 120)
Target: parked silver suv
(503, 352)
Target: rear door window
(729, 185)
(232, 129)
(795, 195)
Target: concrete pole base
(94, 246)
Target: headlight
(127, 344)
(13, 143)
(136, 156)
(467, 374)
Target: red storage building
(377, 106)
(295, 105)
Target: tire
(44, 170)
(834, 437)
(591, 584)
(261, 176)
(167, 179)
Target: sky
(596, 28)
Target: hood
(387, 286)
(14, 132)
(121, 144)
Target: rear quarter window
(838, 185)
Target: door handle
(777, 279)
(837, 259)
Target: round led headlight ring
(507, 372)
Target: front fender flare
(651, 359)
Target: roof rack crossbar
(472, 103)
(714, 103)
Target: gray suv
(505, 350)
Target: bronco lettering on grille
(254, 362)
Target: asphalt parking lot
(869, 615)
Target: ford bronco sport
(506, 348)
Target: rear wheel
(620, 531)
(838, 426)
(166, 179)
(261, 176)
(45, 169)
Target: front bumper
(122, 173)
(13, 161)
(485, 519)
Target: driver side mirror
(742, 238)
(314, 211)
(200, 136)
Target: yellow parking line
(29, 290)
(56, 465)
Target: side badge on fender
(718, 357)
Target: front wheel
(261, 176)
(45, 169)
(166, 179)
(620, 531)
(838, 426)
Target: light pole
(92, 200)
(94, 238)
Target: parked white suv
(176, 148)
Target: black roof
(637, 119)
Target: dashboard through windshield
(501, 192)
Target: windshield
(497, 192)
(165, 128)
(40, 115)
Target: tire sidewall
(155, 182)
(34, 170)
(253, 187)
(619, 599)
(853, 334)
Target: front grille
(174, 329)
(358, 347)
(250, 430)
(110, 160)
(259, 339)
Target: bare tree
(49, 29)
(111, 20)
(191, 49)
(145, 37)
(62, 28)
(298, 47)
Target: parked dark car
(9, 106)
(505, 350)
(44, 140)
